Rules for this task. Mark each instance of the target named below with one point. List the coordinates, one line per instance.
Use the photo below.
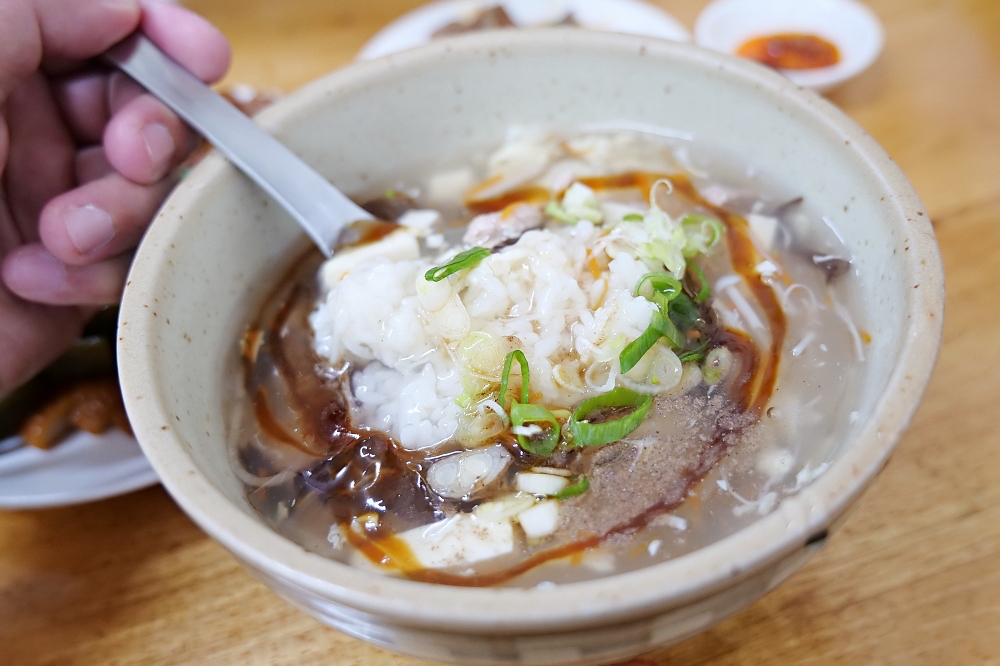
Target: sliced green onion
(557, 212)
(463, 260)
(661, 289)
(695, 354)
(706, 290)
(598, 434)
(701, 232)
(633, 217)
(717, 365)
(578, 488)
(667, 329)
(525, 377)
(523, 413)
(660, 326)
(684, 312)
(635, 350)
(662, 284)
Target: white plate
(631, 16)
(81, 469)
(725, 25)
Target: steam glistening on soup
(592, 353)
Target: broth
(765, 366)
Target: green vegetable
(684, 313)
(520, 414)
(693, 355)
(578, 488)
(717, 365)
(557, 212)
(701, 232)
(663, 288)
(705, 290)
(580, 203)
(635, 350)
(584, 433)
(633, 217)
(525, 377)
(463, 260)
(659, 326)
(667, 329)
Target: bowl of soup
(636, 324)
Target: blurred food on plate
(453, 17)
(492, 18)
(79, 391)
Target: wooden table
(912, 578)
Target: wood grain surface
(912, 578)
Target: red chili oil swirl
(791, 51)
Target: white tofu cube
(541, 484)
(460, 540)
(397, 246)
(764, 228)
(540, 520)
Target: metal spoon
(319, 207)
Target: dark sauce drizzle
(360, 471)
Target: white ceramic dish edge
(628, 16)
(724, 25)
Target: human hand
(86, 158)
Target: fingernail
(159, 146)
(35, 272)
(88, 228)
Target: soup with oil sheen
(587, 353)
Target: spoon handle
(320, 208)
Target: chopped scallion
(463, 260)
(705, 290)
(505, 378)
(667, 329)
(717, 365)
(520, 414)
(684, 313)
(635, 350)
(584, 433)
(661, 289)
(578, 488)
(695, 354)
(633, 217)
(702, 233)
(662, 284)
(557, 212)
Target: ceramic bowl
(219, 244)
(725, 25)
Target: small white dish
(725, 25)
(84, 468)
(627, 16)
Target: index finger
(61, 30)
